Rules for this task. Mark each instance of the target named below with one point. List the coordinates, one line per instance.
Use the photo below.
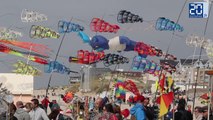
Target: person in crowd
(181, 113)
(28, 107)
(9, 115)
(197, 113)
(205, 113)
(117, 111)
(137, 112)
(20, 113)
(37, 113)
(148, 110)
(107, 114)
(54, 105)
(45, 103)
(189, 108)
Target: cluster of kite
(23, 68)
(86, 57)
(164, 24)
(128, 17)
(111, 59)
(9, 34)
(144, 49)
(147, 66)
(144, 65)
(42, 32)
(32, 16)
(67, 27)
(54, 66)
(98, 42)
(99, 25)
(122, 43)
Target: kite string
(161, 72)
(48, 85)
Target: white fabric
(38, 114)
(115, 45)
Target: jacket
(138, 112)
(21, 114)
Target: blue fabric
(130, 44)
(138, 112)
(99, 42)
(84, 37)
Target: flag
(165, 100)
(163, 108)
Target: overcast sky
(82, 11)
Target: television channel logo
(198, 10)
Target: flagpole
(202, 47)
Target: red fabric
(138, 98)
(130, 85)
(99, 25)
(205, 96)
(125, 113)
(45, 102)
(168, 98)
(162, 82)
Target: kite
(54, 66)
(23, 68)
(147, 66)
(197, 41)
(67, 27)
(86, 57)
(42, 32)
(99, 25)
(32, 16)
(111, 59)
(164, 24)
(38, 48)
(6, 49)
(122, 43)
(120, 93)
(9, 34)
(128, 17)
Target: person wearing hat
(137, 112)
(205, 113)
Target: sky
(82, 12)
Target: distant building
(75, 78)
(90, 73)
(21, 86)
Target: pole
(210, 96)
(200, 55)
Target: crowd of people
(101, 109)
